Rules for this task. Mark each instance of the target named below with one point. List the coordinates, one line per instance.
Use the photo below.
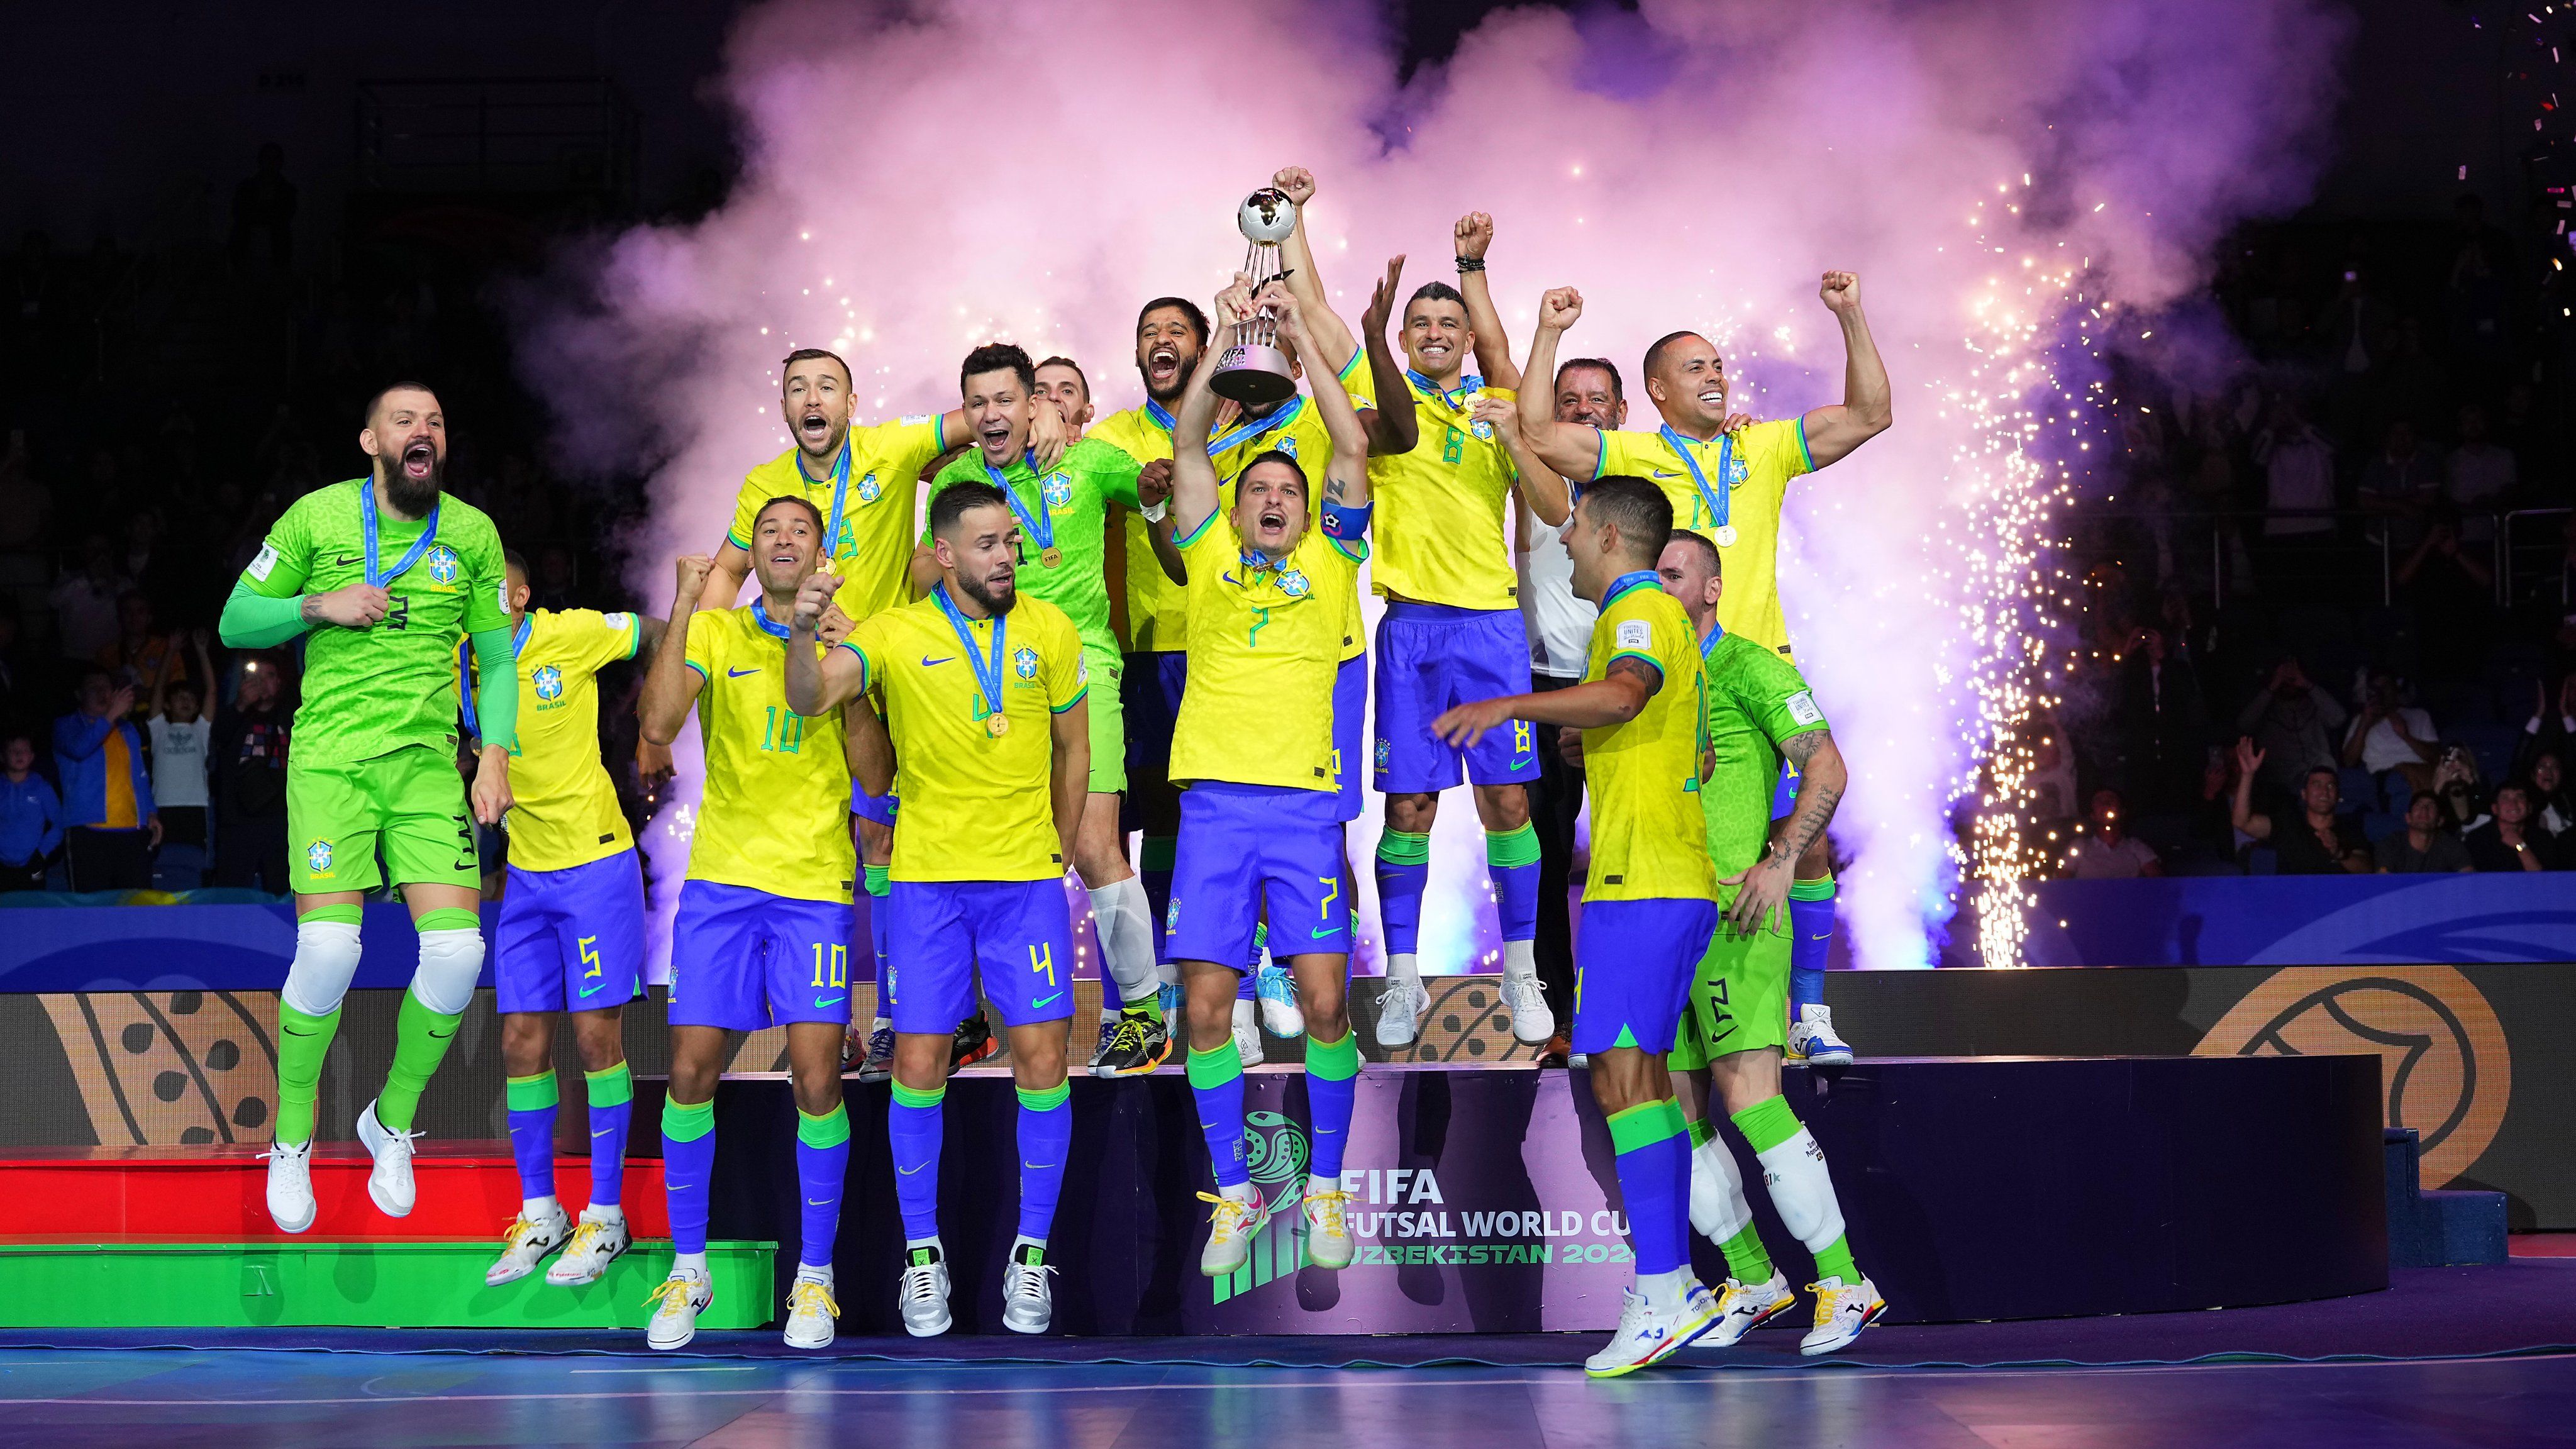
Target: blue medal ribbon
(1638, 579)
(1259, 427)
(1454, 399)
(383, 577)
(519, 637)
(760, 615)
(988, 672)
(1714, 499)
(1040, 525)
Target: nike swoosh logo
(1320, 932)
(928, 662)
(590, 990)
(818, 1202)
(909, 1171)
(1043, 1000)
(669, 1186)
(442, 1035)
(819, 1002)
(604, 1131)
(739, 673)
(346, 560)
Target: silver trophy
(1254, 371)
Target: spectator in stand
(2513, 840)
(23, 501)
(2294, 725)
(2316, 841)
(246, 774)
(2451, 592)
(2457, 785)
(139, 657)
(2051, 780)
(31, 818)
(22, 677)
(2164, 722)
(2390, 736)
(2478, 477)
(2547, 731)
(2548, 791)
(2299, 485)
(107, 799)
(2399, 481)
(84, 600)
(264, 214)
(2108, 851)
(181, 736)
(2423, 847)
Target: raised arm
(2241, 812)
(1868, 406)
(1194, 482)
(668, 690)
(1346, 478)
(1538, 486)
(1473, 233)
(819, 678)
(1392, 426)
(1333, 341)
(1572, 449)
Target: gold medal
(997, 725)
(1051, 556)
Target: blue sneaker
(1280, 1015)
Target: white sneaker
(1532, 1022)
(1744, 1307)
(1842, 1311)
(1400, 1012)
(390, 1182)
(596, 1243)
(1028, 1304)
(681, 1298)
(1247, 1033)
(810, 1311)
(1812, 1039)
(1231, 1225)
(1280, 1013)
(1647, 1336)
(525, 1245)
(290, 1186)
(1328, 1229)
(922, 1297)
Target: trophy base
(1253, 374)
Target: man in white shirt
(2298, 467)
(2389, 736)
(2478, 476)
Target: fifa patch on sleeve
(618, 623)
(1802, 708)
(262, 566)
(1082, 671)
(501, 595)
(915, 420)
(1635, 634)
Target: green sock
(420, 1043)
(1747, 1261)
(1700, 1132)
(302, 1042)
(1834, 1260)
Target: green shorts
(410, 802)
(1739, 1001)
(1108, 721)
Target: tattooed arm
(1762, 891)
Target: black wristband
(1471, 264)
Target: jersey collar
(1626, 584)
(519, 636)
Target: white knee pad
(1803, 1191)
(450, 962)
(326, 960)
(1717, 1206)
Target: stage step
(2436, 1229)
(468, 1191)
(301, 1283)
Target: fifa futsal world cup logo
(1275, 1152)
(1254, 371)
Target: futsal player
(985, 690)
(1759, 713)
(1453, 632)
(1729, 486)
(385, 574)
(1062, 519)
(571, 934)
(1062, 379)
(762, 935)
(1650, 902)
(1270, 583)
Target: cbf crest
(317, 857)
(1024, 662)
(1057, 490)
(548, 680)
(869, 488)
(443, 564)
(1295, 584)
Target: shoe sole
(683, 1342)
(554, 1282)
(945, 1323)
(305, 1226)
(1111, 1074)
(1313, 1261)
(1774, 1311)
(1017, 1326)
(1876, 1312)
(825, 1342)
(989, 1047)
(375, 1142)
(871, 1078)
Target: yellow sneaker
(1328, 1229)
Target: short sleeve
(613, 637)
(1213, 540)
(1358, 383)
(286, 555)
(706, 643)
(1775, 694)
(897, 451)
(487, 579)
(1068, 672)
(746, 510)
(1777, 448)
(1624, 453)
(867, 640)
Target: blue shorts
(572, 939)
(1633, 966)
(743, 959)
(879, 808)
(1240, 843)
(1430, 658)
(941, 935)
(1350, 730)
(1784, 796)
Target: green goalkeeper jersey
(370, 691)
(1755, 701)
(1067, 512)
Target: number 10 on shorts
(831, 967)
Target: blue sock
(1216, 1080)
(533, 1101)
(914, 1126)
(1654, 1183)
(1046, 1139)
(612, 1108)
(1403, 870)
(1511, 861)
(1811, 931)
(688, 1162)
(822, 1166)
(1332, 1085)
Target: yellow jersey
(867, 505)
(1648, 840)
(775, 813)
(1157, 608)
(1264, 646)
(1441, 508)
(976, 806)
(1757, 463)
(563, 810)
